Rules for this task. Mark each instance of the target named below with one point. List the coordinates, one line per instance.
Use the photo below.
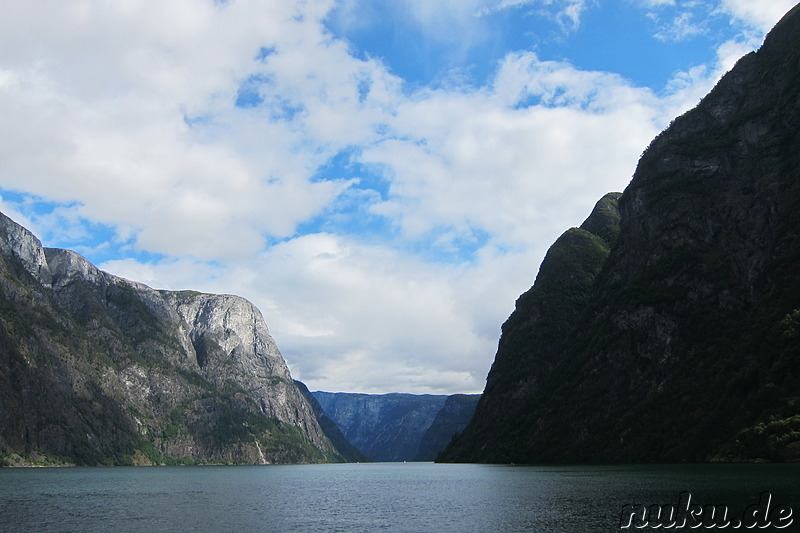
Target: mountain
(385, 427)
(390, 427)
(452, 418)
(667, 327)
(96, 369)
(350, 453)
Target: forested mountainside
(667, 327)
(96, 369)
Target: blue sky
(381, 178)
(647, 46)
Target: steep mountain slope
(681, 340)
(350, 453)
(393, 427)
(98, 369)
(385, 427)
(453, 417)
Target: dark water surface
(374, 497)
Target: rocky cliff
(391, 427)
(98, 369)
(451, 419)
(350, 453)
(668, 328)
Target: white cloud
(655, 3)
(123, 113)
(760, 14)
(459, 24)
(505, 169)
(682, 27)
(680, 20)
(567, 13)
(99, 97)
(354, 317)
(349, 316)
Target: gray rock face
(231, 343)
(22, 244)
(96, 368)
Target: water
(412, 497)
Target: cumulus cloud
(762, 15)
(364, 318)
(544, 131)
(182, 142)
(133, 124)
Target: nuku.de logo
(687, 514)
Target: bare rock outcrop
(99, 369)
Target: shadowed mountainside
(397, 427)
(667, 327)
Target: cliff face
(453, 417)
(98, 369)
(350, 453)
(398, 427)
(678, 336)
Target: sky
(382, 178)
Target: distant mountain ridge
(667, 327)
(350, 453)
(96, 369)
(397, 426)
(451, 419)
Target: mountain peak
(686, 322)
(99, 369)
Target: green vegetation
(34, 458)
(776, 439)
(93, 373)
(790, 325)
